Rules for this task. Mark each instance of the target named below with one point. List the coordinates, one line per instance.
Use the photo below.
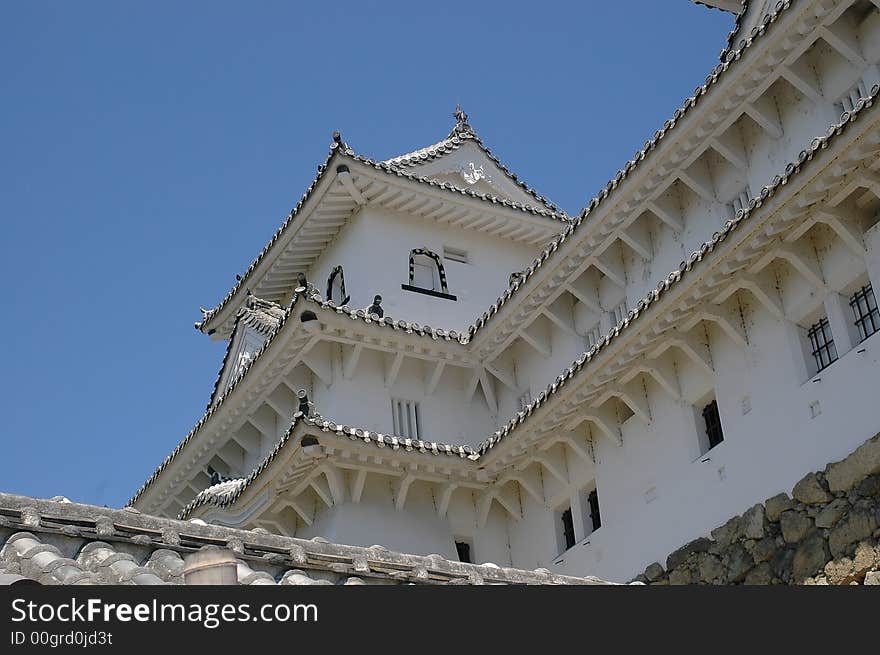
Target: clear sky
(149, 150)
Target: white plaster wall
(764, 452)
(365, 401)
(374, 248)
(416, 528)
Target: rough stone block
(872, 578)
(680, 576)
(869, 487)
(739, 562)
(864, 461)
(710, 568)
(654, 572)
(752, 525)
(809, 491)
(678, 557)
(810, 557)
(760, 575)
(867, 556)
(856, 526)
(763, 550)
(727, 533)
(840, 572)
(794, 526)
(832, 513)
(776, 506)
(782, 562)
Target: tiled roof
(791, 169)
(226, 493)
(675, 277)
(410, 327)
(59, 542)
(461, 134)
(730, 57)
(264, 316)
(574, 370)
(300, 295)
(261, 315)
(340, 149)
(578, 365)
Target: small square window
(455, 254)
(822, 345)
(865, 312)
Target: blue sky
(149, 150)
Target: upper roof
(461, 134)
(59, 542)
(348, 180)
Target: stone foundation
(826, 532)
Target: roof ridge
(27, 515)
(461, 132)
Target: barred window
(463, 549)
(618, 313)
(864, 306)
(593, 335)
(712, 418)
(407, 418)
(567, 528)
(822, 344)
(593, 503)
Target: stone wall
(826, 532)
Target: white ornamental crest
(472, 174)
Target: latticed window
(425, 273)
(567, 528)
(864, 306)
(714, 434)
(593, 503)
(618, 313)
(407, 417)
(593, 335)
(822, 344)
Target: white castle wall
(374, 251)
(656, 491)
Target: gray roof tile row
(59, 542)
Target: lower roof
(59, 542)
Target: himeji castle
(430, 355)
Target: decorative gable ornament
(471, 174)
